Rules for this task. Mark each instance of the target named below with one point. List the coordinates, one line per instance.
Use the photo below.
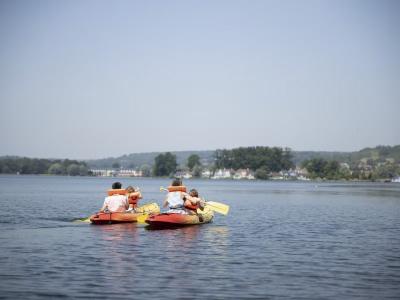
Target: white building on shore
(120, 173)
(222, 174)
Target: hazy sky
(92, 79)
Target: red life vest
(133, 199)
(191, 206)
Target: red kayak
(173, 220)
(124, 217)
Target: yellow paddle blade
(142, 218)
(82, 220)
(218, 207)
(148, 208)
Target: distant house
(113, 173)
(276, 176)
(206, 173)
(243, 174)
(344, 166)
(183, 174)
(397, 179)
(187, 175)
(103, 172)
(129, 173)
(222, 174)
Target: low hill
(136, 160)
(300, 156)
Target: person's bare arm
(165, 202)
(102, 209)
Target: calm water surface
(281, 240)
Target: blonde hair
(130, 189)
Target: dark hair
(116, 185)
(176, 182)
(194, 193)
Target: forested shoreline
(381, 162)
(24, 165)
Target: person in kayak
(181, 202)
(117, 201)
(174, 199)
(192, 202)
(133, 197)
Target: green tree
(25, 166)
(197, 170)
(5, 169)
(331, 170)
(193, 160)
(146, 170)
(73, 170)
(56, 169)
(116, 165)
(322, 168)
(165, 164)
(83, 170)
(262, 173)
(387, 171)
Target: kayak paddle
(218, 207)
(83, 220)
(142, 218)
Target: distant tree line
(333, 170)
(24, 165)
(262, 160)
(322, 168)
(382, 162)
(265, 160)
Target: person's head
(116, 185)
(194, 193)
(177, 182)
(130, 189)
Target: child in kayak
(192, 202)
(133, 197)
(117, 201)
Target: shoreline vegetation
(381, 163)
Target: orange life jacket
(111, 192)
(179, 188)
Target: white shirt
(174, 200)
(116, 203)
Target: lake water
(281, 240)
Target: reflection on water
(116, 232)
(280, 240)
